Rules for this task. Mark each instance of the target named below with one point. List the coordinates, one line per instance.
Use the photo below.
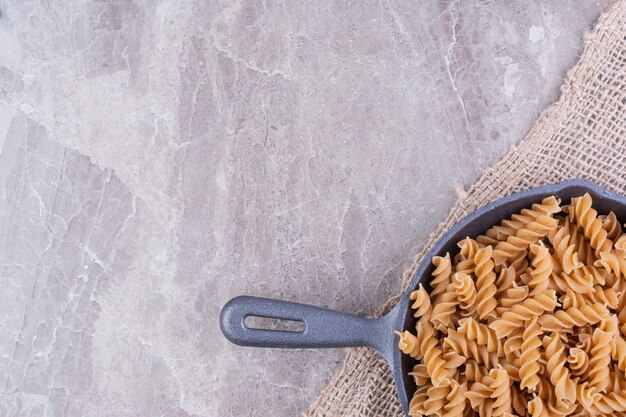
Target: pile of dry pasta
(526, 320)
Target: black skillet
(332, 329)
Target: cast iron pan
(332, 329)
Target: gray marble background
(160, 157)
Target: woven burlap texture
(582, 135)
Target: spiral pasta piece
(519, 313)
(578, 361)
(599, 359)
(541, 268)
(549, 205)
(611, 225)
(529, 359)
(468, 248)
(564, 387)
(513, 245)
(565, 320)
(469, 348)
(455, 405)
(587, 218)
(430, 352)
(408, 344)
(501, 392)
(482, 334)
(485, 282)
(465, 291)
(508, 227)
(436, 398)
(565, 252)
(505, 280)
(441, 275)
(586, 254)
(532, 225)
(421, 303)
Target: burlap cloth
(582, 135)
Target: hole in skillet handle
(275, 324)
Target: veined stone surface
(158, 158)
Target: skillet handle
(323, 328)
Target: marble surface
(160, 157)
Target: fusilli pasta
(501, 393)
(565, 320)
(565, 252)
(564, 387)
(541, 268)
(482, 334)
(529, 359)
(465, 291)
(587, 218)
(430, 352)
(421, 303)
(519, 313)
(599, 359)
(528, 319)
(441, 275)
(485, 282)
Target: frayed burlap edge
(582, 135)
